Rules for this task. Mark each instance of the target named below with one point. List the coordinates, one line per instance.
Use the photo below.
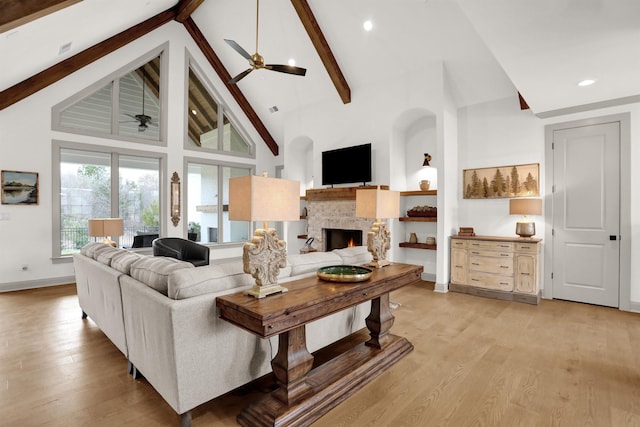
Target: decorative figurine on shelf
(413, 238)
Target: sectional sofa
(161, 314)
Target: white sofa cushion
(355, 255)
(154, 271)
(105, 256)
(192, 282)
(123, 260)
(91, 250)
(311, 262)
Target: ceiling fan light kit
(256, 61)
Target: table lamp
(526, 227)
(376, 203)
(106, 227)
(260, 198)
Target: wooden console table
(305, 394)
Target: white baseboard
(441, 287)
(32, 284)
(428, 277)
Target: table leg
(291, 365)
(379, 322)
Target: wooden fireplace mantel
(339, 193)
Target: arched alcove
(413, 135)
(299, 162)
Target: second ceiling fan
(257, 61)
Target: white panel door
(586, 214)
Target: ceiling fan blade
(240, 76)
(239, 49)
(289, 69)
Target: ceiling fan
(257, 61)
(144, 121)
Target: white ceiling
(489, 48)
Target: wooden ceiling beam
(185, 8)
(70, 65)
(224, 75)
(322, 47)
(20, 12)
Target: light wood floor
(476, 362)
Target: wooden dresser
(496, 267)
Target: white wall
(499, 133)
(26, 139)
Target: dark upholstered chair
(181, 249)
(144, 240)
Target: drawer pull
(475, 280)
(458, 266)
(474, 263)
(475, 244)
(475, 253)
(503, 283)
(503, 246)
(504, 266)
(504, 254)
(524, 274)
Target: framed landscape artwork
(501, 182)
(19, 188)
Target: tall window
(208, 202)
(209, 125)
(97, 184)
(127, 106)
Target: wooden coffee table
(305, 394)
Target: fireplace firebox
(336, 238)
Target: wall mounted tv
(347, 165)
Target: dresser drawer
(480, 252)
(491, 246)
(459, 244)
(527, 248)
(501, 266)
(491, 281)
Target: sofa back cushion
(105, 256)
(192, 282)
(154, 271)
(123, 260)
(355, 255)
(92, 250)
(311, 262)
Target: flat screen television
(347, 165)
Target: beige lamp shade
(377, 203)
(260, 198)
(525, 206)
(101, 227)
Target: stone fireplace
(334, 209)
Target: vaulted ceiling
(490, 49)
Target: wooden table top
(310, 299)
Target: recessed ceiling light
(586, 82)
(273, 109)
(368, 25)
(292, 62)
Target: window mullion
(115, 186)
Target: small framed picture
(19, 188)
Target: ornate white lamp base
(378, 243)
(263, 258)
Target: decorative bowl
(344, 273)
(424, 185)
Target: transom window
(209, 125)
(128, 106)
